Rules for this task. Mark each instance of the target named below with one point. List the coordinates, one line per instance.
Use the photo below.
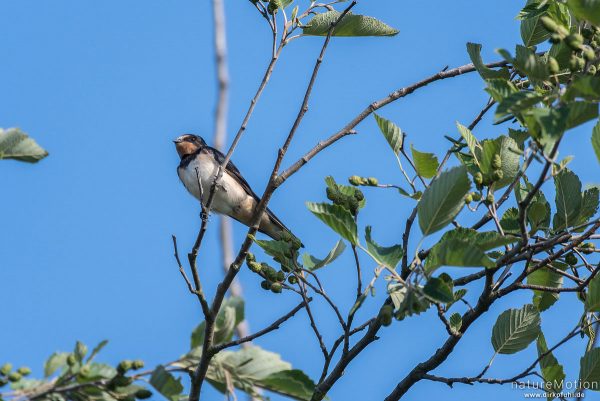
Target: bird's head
(188, 144)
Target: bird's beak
(176, 140)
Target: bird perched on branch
(233, 196)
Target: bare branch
(273, 326)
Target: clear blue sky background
(105, 86)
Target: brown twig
(273, 326)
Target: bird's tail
(279, 231)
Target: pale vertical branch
(219, 139)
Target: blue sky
(105, 86)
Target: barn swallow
(233, 196)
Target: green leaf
(407, 301)
(472, 142)
(589, 205)
(547, 278)
(596, 140)
(254, 367)
(510, 221)
(552, 372)
(426, 164)
(515, 329)
(443, 200)
(586, 87)
(350, 25)
(337, 218)
(592, 301)
(465, 247)
(282, 251)
(96, 371)
(499, 89)
(580, 113)
(166, 384)
(568, 199)
(439, 289)
(527, 62)
(509, 153)
(385, 256)
(293, 383)
(532, 30)
(456, 252)
(57, 360)
(97, 349)
(589, 369)
(586, 10)
(392, 133)
(474, 50)
(15, 144)
(455, 321)
(312, 263)
(230, 315)
(546, 124)
(516, 103)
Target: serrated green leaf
(293, 383)
(586, 10)
(510, 221)
(568, 199)
(97, 349)
(586, 87)
(528, 63)
(474, 50)
(282, 251)
(426, 164)
(439, 289)
(15, 144)
(456, 252)
(532, 30)
(596, 140)
(516, 103)
(57, 360)
(592, 301)
(443, 200)
(254, 367)
(166, 384)
(337, 218)
(547, 278)
(391, 132)
(455, 321)
(350, 25)
(589, 205)
(580, 113)
(230, 315)
(96, 371)
(515, 329)
(589, 369)
(500, 89)
(509, 153)
(519, 136)
(312, 263)
(385, 256)
(552, 372)
(472, 142)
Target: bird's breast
(229, 193)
